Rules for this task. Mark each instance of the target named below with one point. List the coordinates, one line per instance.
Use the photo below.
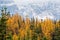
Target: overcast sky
(43, 8)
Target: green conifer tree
(3, 20)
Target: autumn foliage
(19, 28)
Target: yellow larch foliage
(12, 23)
(22, 33)
(27, 23)
(15, 37)
(58, 23)
(24, 30)
(48, 27)
(38, 38)
(30, 34)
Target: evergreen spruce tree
(56, 33)
(3, 20)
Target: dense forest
(15, 27)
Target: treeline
(17, 28)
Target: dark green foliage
(38, 30)
(9, 36)
(44, 38)
(34, 37)
(31, 27)
(56, 34)
(3, 20)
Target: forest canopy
(15, 27)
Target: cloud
(27, 2)
(45, 5)
(45, 14)
(38, 2)
(24, 2)
(9, 4)
(6, 2)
